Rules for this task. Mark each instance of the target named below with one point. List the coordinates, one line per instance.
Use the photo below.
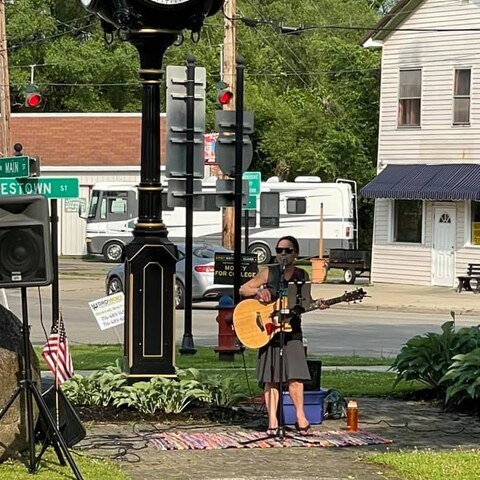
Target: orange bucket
(319, 270)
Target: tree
(315, 95)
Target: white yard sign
(109, 311)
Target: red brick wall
(81, 140)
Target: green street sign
(251, 203)
(14, 167)
(254, 181)
(49, 187)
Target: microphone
(283, 262)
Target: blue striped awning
(426, 182)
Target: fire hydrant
(228, 344)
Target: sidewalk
(409, 424)
(389, 296)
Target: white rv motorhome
(284, 208)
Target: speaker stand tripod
(29, 388)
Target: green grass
(430, 465)
(350, 383)
(50, 469)
(97, 357)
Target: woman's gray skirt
(294, 363)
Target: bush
(224, 391)
(99, 388)
(427, 357)
(463, 378)
(159, 394)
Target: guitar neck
(333, 301)
(330, 301)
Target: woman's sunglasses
(284, 250)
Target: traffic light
(176, 148)
(224, 95)
(225, 147)
(34, 166)
(33, 99)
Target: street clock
(169, 2)
(165, 14)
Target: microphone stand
(282, 312)
(281, 317)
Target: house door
(444, 229)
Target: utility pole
(229, 76)
(5, 87)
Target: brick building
(83, 140)
(93, 147)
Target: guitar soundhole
(260, 322)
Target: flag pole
(57, 402)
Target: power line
(283, 58)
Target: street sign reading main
(49, 187)
(14, 167)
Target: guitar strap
(273, 284)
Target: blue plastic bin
(313, 402)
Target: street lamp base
(188, 347)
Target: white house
(427, 191)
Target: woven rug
(247, 439)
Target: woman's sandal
(303, 430)
(271, 432)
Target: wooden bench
(473, 273)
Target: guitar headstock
(354, 295)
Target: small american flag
(57, 354)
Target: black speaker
(25, 246)
(315, 369)
(69, 424)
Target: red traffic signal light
(33, 100)
(224, 97)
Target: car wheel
(114, 286)
(113, 252)
(262, 252)
(179, 295)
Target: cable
(252, 22)
(40, 306)
(123, 449)
(283, 58)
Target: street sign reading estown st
(49, 187)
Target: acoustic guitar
(255, 323)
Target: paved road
(342, 331)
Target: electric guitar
(255, 323)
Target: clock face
(167, 2)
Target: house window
(409, 98)
(408, 220)
(475, 226)
(461, 96)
